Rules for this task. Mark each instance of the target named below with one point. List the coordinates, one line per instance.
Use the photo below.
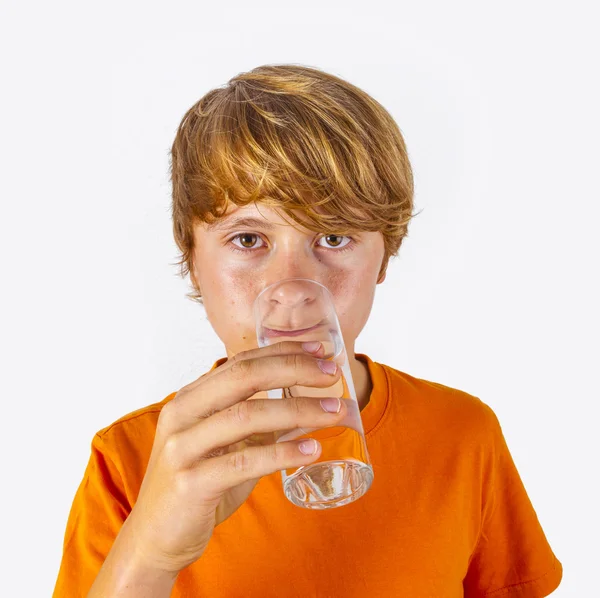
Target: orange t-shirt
(447, 514)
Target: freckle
(243, 337)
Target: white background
(495, 291)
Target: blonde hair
(293, 138)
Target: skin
(230, 281)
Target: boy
(292, 172)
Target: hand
(212, 446)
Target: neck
(362, 382)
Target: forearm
(124, 575)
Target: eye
(336, 241)
(247, 240)
(247, 243)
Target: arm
(124, 575)
(100, 558)
(513, 556)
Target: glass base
(328, 484)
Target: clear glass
(302, 310)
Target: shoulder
(434, 404)
(131, 433)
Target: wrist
(126, 573)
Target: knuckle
(258, 405)
(240, 413)
(239, 462)
(286, 347)
(172, 450)
(279, 348)
(293, 346)
(276, 453)
(166, 417)
(241, 369)
(292, 360)
(297, 407)
(182, 483)
(238, 357)
(249, 375)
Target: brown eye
(335, 241)
(247, 240)
(338, 242)
(246, 243)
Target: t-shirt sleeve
(98, 511)
(512, 557)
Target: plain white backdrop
(495, 290)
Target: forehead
(255, 215)
(257, 211)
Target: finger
(246, 418)
(281, 348)
(221, 473)
(243, 379)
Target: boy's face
(269, 250)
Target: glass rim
(256, 305)
(296, 278)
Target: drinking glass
(302, 310)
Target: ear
(194, 280)
(384, 267)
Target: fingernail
(308, 447)
(311, 347)
(329, 367)
(331, 405)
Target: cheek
(353, 293)
(231, 288)
(231, 292)
(228, 306)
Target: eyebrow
(242, 222)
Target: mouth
(271, 332)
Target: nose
(294, 293)
(292, 304)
